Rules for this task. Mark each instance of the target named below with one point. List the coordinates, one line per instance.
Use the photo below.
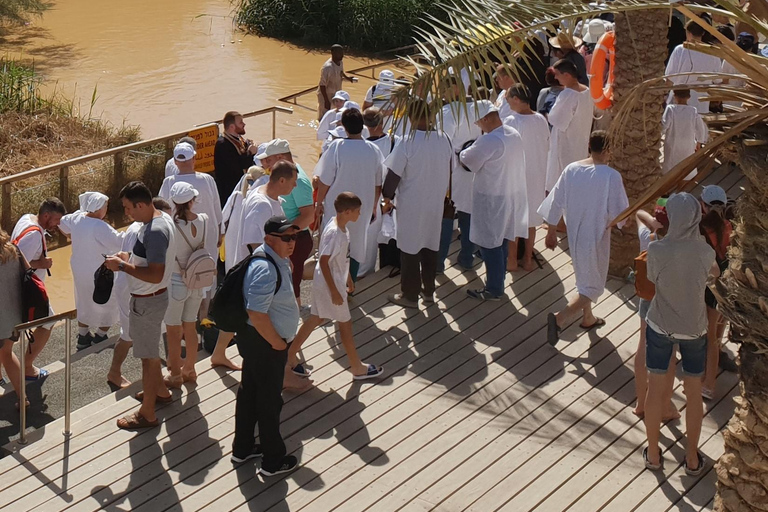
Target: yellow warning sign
(205, 137)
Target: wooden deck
(477, 412)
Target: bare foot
(512, 267)
(639, 412)
(671, 413)
(225, 362)
(529, 265)
(118, 381)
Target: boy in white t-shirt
(330, 286)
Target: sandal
(189, 377)
(301, 371)
(649, 464)
(158, 399)
(173, 381)
(599, 322)
(553, 330)
(373, 372)
(698, 470)
(26, 405)
(42, 373)
(136, 421)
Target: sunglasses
(286, 238)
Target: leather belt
(158, 292)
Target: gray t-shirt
(679, 269)
(155, 244)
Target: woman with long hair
(184, 303)
(11, 265)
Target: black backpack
(227, 309)
(34, 297)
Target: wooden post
(168, 149)
(274, 120)
(6, 214)
(64, 186)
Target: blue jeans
(495, 268)
(466, 256)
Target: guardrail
(118, 167)
(21, 328)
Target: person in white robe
(232, 212)
(684, 131)
(418, 174)
(571, 120)
(326, 123)
(351, 165)
(589, 194)
(92, 238)
(458, 122)
(504, 80)
(534, 130)
(499, 195)
(373, 119)
(687, 60)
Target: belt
(158, 292)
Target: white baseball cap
(485, 107)
(712, 193)
(182, 192)
(183, 152)
(274, 147)
(341, 95)
(386, 76)
(351, 104)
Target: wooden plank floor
(476, 412)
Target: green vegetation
(366, 25)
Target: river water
(167, 65)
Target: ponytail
(181, 211)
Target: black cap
(278, 224)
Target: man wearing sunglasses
(273, 319)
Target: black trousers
(259, 399)
(417, 273)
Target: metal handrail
(18, 330)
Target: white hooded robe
(571, 120)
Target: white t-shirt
(644, 234)
(145, 252)
(325, 124)
(333, 243)
(423, 162)
(207, 202)
(257, 209)
(171, 168)
(33, 243)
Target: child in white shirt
(330, 286)
(684, 131)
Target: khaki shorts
(146, 318)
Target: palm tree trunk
(641, 48)
(742, 471)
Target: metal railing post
(22, 392)
(67, 376)
(274, 121)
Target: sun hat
(183, 152)
(341, 95)
(565, 40)
(182, 192)
(485, 107)
(595, 30)
(712, 193)
(274, 147)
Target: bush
(366, 25)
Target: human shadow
(37, 413)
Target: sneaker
(98, 338)
(400, 300)
(482, 294)
(255, 454)
(84, 341)
(727, 363)
(289, 464)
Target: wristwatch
(121, 266)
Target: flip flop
(699, 470)
(373, 372)
(301, 371)
(553, 331)
(599, 322)
(3, 382)
(158, 399)
(42, 373)
(649, 464)
(136, 421)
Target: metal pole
(274, 120)
(22, 392)
(67, 375)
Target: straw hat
(565, 40)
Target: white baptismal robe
(534, 131)
(499, 194)
(351, 165)
(91, 238)
(685, 60)
(458, 123)
(683, 127)
(571, 120)
(589, 196)
(230, 225)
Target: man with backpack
(263, 336)
(29, 237)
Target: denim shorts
(659, 349)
